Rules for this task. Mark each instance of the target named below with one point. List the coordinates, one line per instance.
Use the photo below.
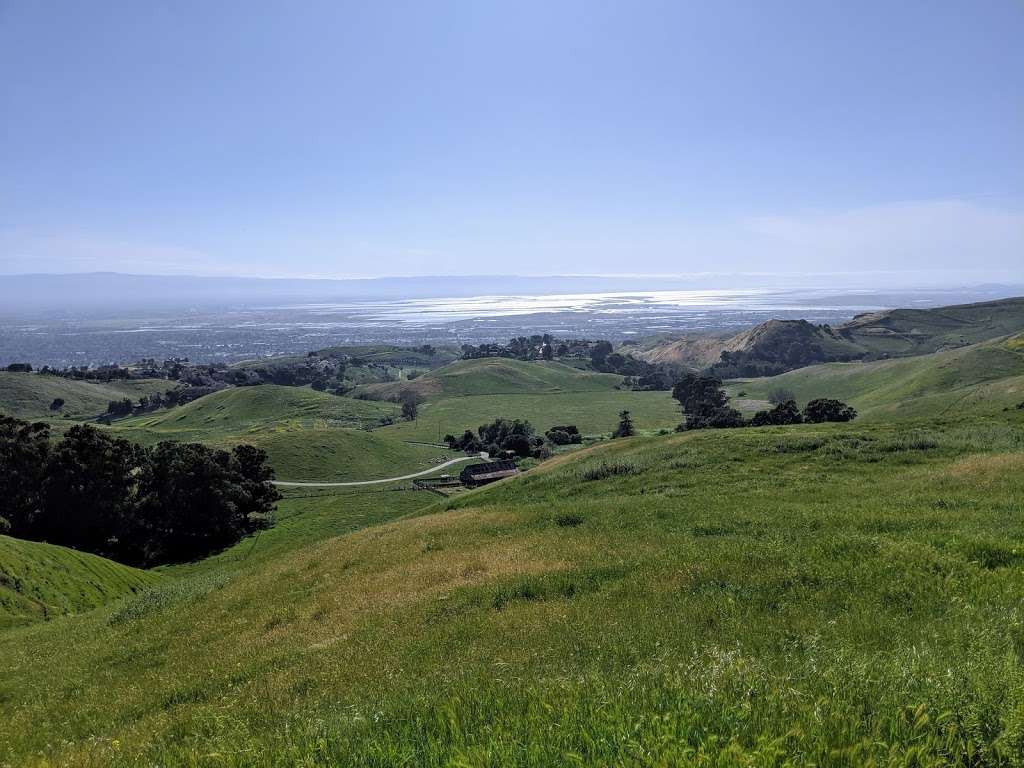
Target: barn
(481, 474)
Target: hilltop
(496, 376)
(919, 331)
(779, 345)
(30, 395)
(981, 378)
(308, 435)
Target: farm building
(481, 474)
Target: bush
(564, 435)
(606, 469)
(782, 414)
(625, 427)
(824, 409)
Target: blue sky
(356, 139)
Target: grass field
(308, 435)
(29, 395)
(499, 376)
(41, 582)
(836, 594)
(982, 378)
(251, 409)
(595, 413)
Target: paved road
(303, 483)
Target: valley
(846, 592)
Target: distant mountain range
(776, 346)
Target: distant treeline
(599, 354)
(171, 503)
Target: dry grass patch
(985, 468)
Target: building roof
(489, 471)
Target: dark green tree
(625, 427)
(825, 409)
(24, 449)
(599, 354)
(410, 405)
(781, 414)
(89, 492)
(704, 403)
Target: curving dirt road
(301, 483)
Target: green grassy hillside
(873, 335)
(241, 409)
(308, 435)
(829, 595)
(981, 378)
(920, 331)
(29, 395)
(595, 413)
(469, 393)
(42, 581)
(499, 376)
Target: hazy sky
(384, 138)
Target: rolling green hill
(29, 395)
(981, 378)
(469, 393)
(831, 594)
(308, 435)
(873, 335)
(498, 376)
(594, 413)
(920, 331)
(241, 409)
(41, 581)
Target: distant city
(244, 324)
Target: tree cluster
(536, 347)
(706, 405)
(147, 403)
(500, 435)
(142, 506)
(783, 347)
(566, 434)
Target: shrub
(564, 435)
(625, 427)
(568, 521)
(782, 414)
(606, 469)
(823, 409)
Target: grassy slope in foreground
(308, 435)
(29, 395)
(828, 594)
(42, 581)
(982, 378)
